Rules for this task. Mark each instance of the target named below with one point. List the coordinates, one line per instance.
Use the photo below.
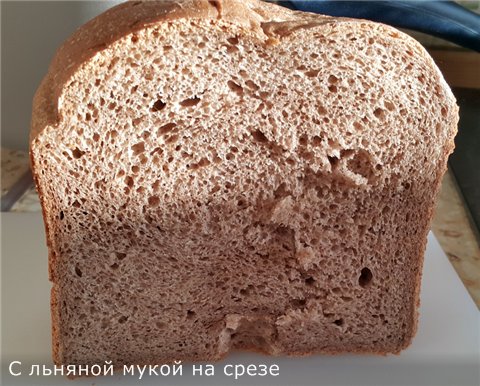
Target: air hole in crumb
(78, 272)
(216, 4)
(333, 161)
(389, 106)
(332, 79)
(129, 181)
(316, 141)
(134, 38)
(153, 201)
(120, 255)
(244, 292)
(154, 151)
(303, 140)
(190, 314)
(190, 102)
(339, 322)
(321, 110)
(358, 126)
(365, 277)
(171, 139)
(166, 128)
(233, 40)
(77, 153)
(312, 73)
(332, 88)
(114, 266)
(252, 85)
(200, 164)
(231, 49)
(138, 148)
(159, 105)
(379, 113)
(259, 136)
(122, 319)
(309, 281)
(298, 303)
(281, 191)
(62, 215)
(235, 87)
(360, 163)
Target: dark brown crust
(54, 315)
(448, 149)
(129, 17)
(55, 326)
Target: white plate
(446, 350)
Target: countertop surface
(451, 224)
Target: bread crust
(267, 22)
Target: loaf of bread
(222, 175)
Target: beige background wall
(31, 31)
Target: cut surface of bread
(220, 175)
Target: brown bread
(221, 175)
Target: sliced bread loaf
(221, 175)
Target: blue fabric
(444, 19)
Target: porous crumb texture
(209, 186)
